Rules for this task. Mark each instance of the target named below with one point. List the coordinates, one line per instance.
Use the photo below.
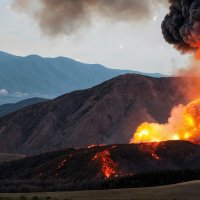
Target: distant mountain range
(105, 114)
(35, 76)
(12, 107)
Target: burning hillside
(108, 166)
(180, 28)
(103, 167)
(184, 120)
(110, 113)
(105, 162)
(184, 124)
(106, 114)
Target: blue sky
(136, 46)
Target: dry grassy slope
(106, 114)
(183, 191)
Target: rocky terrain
(12, 107)
(105, 114)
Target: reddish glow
(108, 166)
(197, 54)
(184, 124)
(62, 163)
(95, 145)
(151, 149)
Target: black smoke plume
(181, 27)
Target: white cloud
(3, 92)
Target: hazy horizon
(137, 46)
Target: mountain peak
(4, 54)
(50, 77)
(108, 113)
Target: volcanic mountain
(105, 114)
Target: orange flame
(184, 124)
(151, 149)
(197, 54)
(184, 121)
(108, 166)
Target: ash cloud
(56, 17)
(181, 26)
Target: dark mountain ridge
(105, 114)
(12, 107)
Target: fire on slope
(183, 33)
(101, 159)
(151, 149)
(184, 124)
(108, 166)
(184, 121)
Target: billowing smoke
(57, 17)
(181, 27)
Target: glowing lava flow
(184, 124)
(151, 149)
(108, 166)
(95, 145)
